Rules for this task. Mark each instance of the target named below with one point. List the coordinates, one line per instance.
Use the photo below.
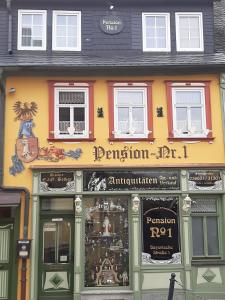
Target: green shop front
(119, 234)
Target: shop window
(66, 31)
(130, 109)
(32, 29)
(106, 242)
(156, 31)
(189, 113)
(189, 31)
(71, 111)
(205, 227)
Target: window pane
(196, 119)
(212, 236)
(79, 120)
(181, 121)
(161, 21)
(49, 242)
(204, 205)
(72, 20)
(37, 19)
(26, 41)
(150, 21)
(188, 97)
(64, 119)
(197, 236)
(26, 19)
(138, 120)
(60, 41)
(57, 204)
(71, 97)
(64, 242)
(129, 98)
(123, 119)
(106, 242)
(61, 31)
(61, 20)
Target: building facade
(113, 150)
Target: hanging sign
(161, 230)
(131, 180)
(204, 180)
(111, 24)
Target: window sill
(131, 139)
(196, 139)
(207, 261)
(71, 140)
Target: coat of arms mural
(27, 148)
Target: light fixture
(187, 203)
(78, 204)
(12, 90)
(111, 7)
(136, 203)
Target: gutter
(9, 9)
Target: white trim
(200, 22)
(190, 133)
(116, 132)
(71, 106)
(22, 12)
(78, 30)
(168, 43)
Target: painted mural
(26, 147)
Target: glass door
(56, 257)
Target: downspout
(2, 106)
(9, 9)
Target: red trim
(170, 109)
(51, 85)
(131, 139)
(180, 139)
(71, 140)
(51, 110)
(129, 84)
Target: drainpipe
(9, 9)
(25, 233)
(2, 106)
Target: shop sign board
(160, 230)
(204, 180)
(131, 180)
(57, 181)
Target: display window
(106, 241)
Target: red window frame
(57, 84)
(132, 84)
(197, 84)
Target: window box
(189, 113)
(32, 29)
(66, 31)
(71, 111)
(189, 31)
(130, 108)
(156, 32)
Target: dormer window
(156, 32)
(189, 32)
(32, 30)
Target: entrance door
(56, 258)
(6, 247)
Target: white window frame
(200, 21)
(117, 133)
(22, 12)
(144, 32)
(190, 134)
(78, 33)
(57, 134)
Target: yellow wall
(36, 89)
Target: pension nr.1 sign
(131, 180)
(111, 24)
(161, 230)
(204, 180)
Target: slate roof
(147, 62)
